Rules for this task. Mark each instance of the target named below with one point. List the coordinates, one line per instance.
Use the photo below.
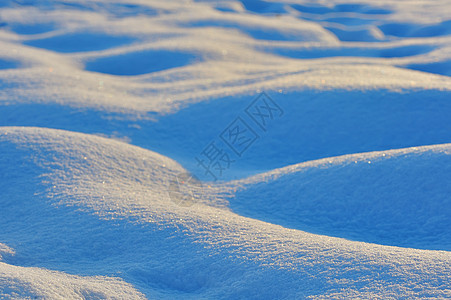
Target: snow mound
(97, 207)
(34, 283)
(83, 163)
(396, 197)
(160, 55)
(314, 125)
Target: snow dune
(314, 125)
(344, 194)
(397, 197)
(32, 283)
(99, 207)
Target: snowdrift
(396, 197)
(94, 206)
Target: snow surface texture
(345, 194)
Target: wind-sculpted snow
(397, 197)
(110, 111)
(314, 125)
(98, 207)
(214, 52)
(34, 283)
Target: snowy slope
(114, 225)
(397, 197)
(344, 193)
(32, 283)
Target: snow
(31, 283)
(344, 193)
(101, 209)
(396, 197)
